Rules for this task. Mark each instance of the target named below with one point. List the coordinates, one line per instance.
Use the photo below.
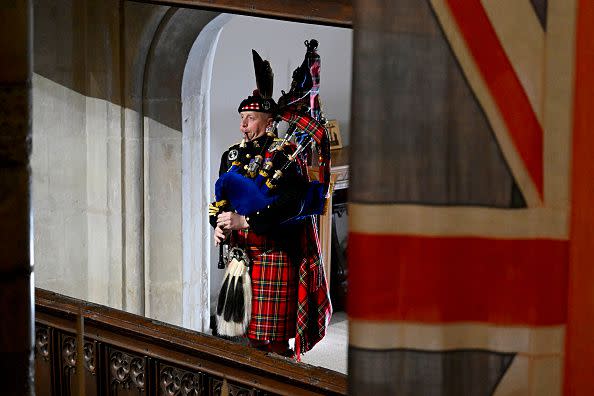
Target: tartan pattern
(251, 106)
(319, 133)
(274, 289)
(314, 308)
(306, 124)
(287, 301)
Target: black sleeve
(288, 205)
(222, 169)
(224, 163)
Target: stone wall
(85, 226)
(76, 159)
(107, 169)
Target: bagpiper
(265, 210)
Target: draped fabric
(459, 245)
(314, 308)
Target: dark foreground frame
(327, 12)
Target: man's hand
(228, 221)
(220, 235)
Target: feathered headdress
(264, 76)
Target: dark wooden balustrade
(125, 354)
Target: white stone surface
(76, 167)
(98, 128)
(196, 194)
(133, 216)
(163, 253)
(114, 222)
(59, 198)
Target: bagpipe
(248, 187)
(251, 187)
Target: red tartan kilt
(274, 291)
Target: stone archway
(109, 138)
(178, 168)
(196, 189)
(175, 143)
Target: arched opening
(175, 270)
(233, 79)
(196, 191)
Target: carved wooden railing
(125, 354)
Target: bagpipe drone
(250, 187)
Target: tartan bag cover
(319, 134)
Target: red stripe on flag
(447, 279)
(503, 83)
(579, 347)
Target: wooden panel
(128, 354)
(174, 380)
(127, 373)
(67, 363)
(219, 387)
(70, 379)
(90, 365)
(326, 233)
(43, 367)
(328, 12)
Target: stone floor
(331, 352)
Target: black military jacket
(291, 189)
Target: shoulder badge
(232, 156)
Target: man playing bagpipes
(265, 202)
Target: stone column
(16, 308)
(196, 193)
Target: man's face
(253, 124)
